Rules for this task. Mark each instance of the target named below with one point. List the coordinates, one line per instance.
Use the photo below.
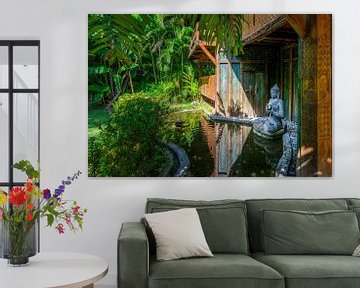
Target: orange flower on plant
(29, 217)
(29, 206)
(17, 196)
(27, 196)
(29, 187)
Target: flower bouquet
(21, 208)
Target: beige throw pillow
(357, 251)
(178, 234)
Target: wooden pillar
(307, 120)
(217, 96)
(315, 103)
(230, 103)
(324, 95)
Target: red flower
(17, 196)
(75, 209)
(29, 217)
(60, 228)
(27, 196)
(29, 206)
(29, 186)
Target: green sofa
(236, 234)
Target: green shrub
(94, 155)
(130, 142)
(166, 91)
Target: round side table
(54, 270)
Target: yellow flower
(3, 198)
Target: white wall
(4, 124)
(62, 28)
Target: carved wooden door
(255, 89)
(259, 93)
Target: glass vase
(18, 242)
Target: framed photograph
(210, 95)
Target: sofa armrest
(133, 256)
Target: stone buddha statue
(271, 126)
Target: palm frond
(223, 29)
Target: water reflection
(223, 150)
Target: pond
(223, 150)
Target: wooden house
(293, 51)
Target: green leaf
(50, 219)
(26, 167)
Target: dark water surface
(218, 149)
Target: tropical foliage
(138, 70)
(225, 30)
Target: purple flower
(58, 192)
(46, 194)
(68, 181)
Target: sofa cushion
(297, 232)
(223, 221)
(313, 271)
(353, 201)
(178, 234)
(222, 270)
(356, 209)
(354, 205)
(254, 207)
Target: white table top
(46, 270)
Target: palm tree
(115, 42)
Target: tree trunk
(153, 66)
(122, 89)
(111, 84)
(131, 83)
(160, 67)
